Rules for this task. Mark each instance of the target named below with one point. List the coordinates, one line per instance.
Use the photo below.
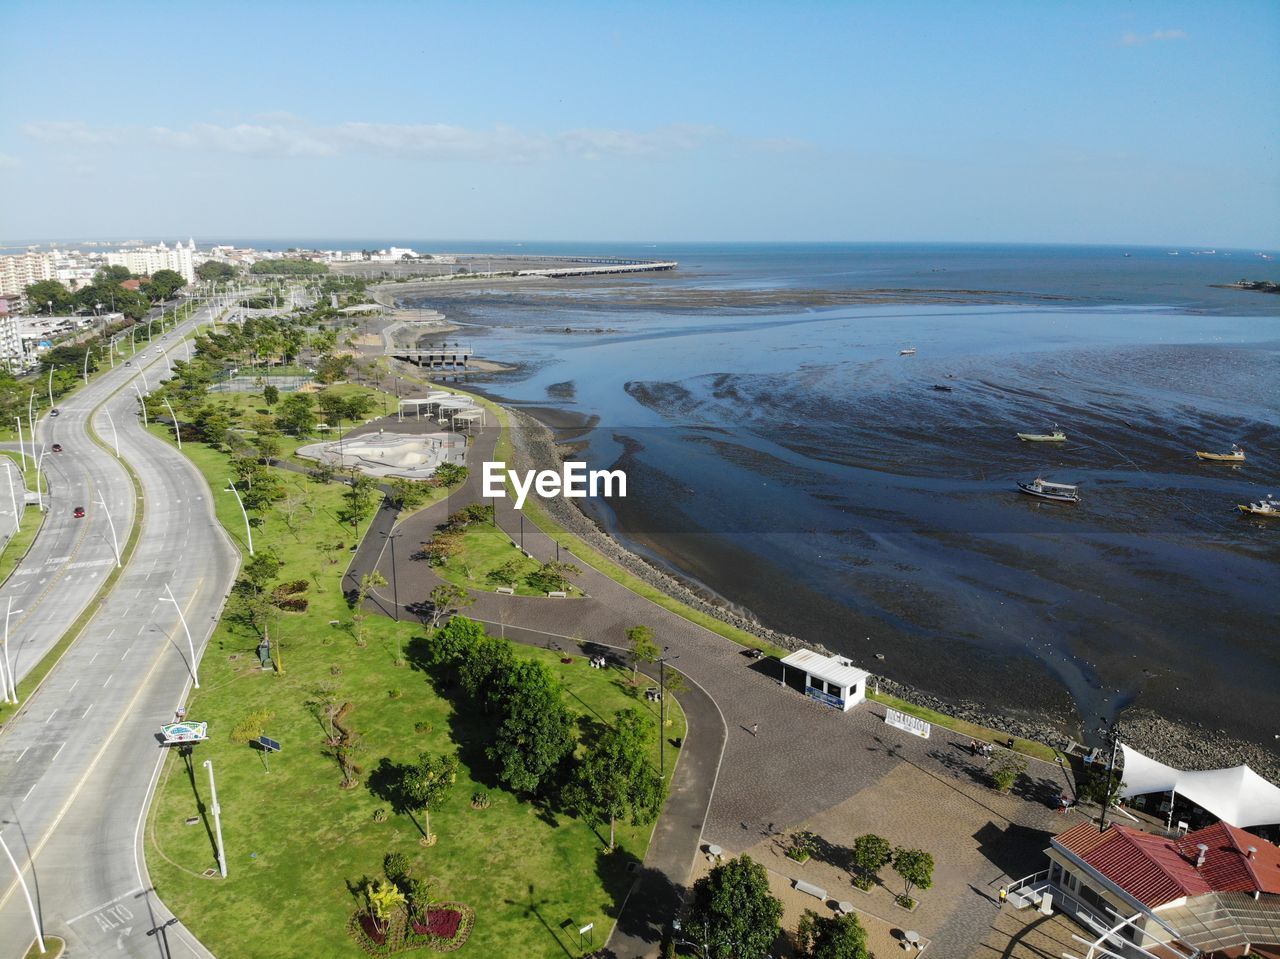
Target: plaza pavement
(806, 758)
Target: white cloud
(282, 135)
(1155, 36)
(69, 133)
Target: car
(54, 412)
(57, 447)
(79, 512)
(128, 362)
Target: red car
(79, 512)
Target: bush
(480, 801)
(395, 693)
(1006, 770)
(422, 728)
(802, 847)
(250, 728)
(379, 815)
(396, 866)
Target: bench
(807, 887)
(557, 594)
(506, 590)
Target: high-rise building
(20, 271)
(12, 355)
(149, 260)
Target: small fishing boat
(1268, 506)
(1055, 435)
(1235, 456)
(943, 388)
(909, 351)
(1058, 492)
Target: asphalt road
(77, 763)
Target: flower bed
(441, 923)
(448, 926)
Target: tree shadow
(648, 898)
(535, 907)
(962, 766)
(187, 752)
(1014, 850)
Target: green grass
(54, 947)
(486, 547)
(18, 544)
(1028, 746)
(295, 840)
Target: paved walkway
(805, 758)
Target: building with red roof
(1212, 892)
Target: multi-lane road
(78, 761)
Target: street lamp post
(35, 919)
(662, 709)
(22, 450)
(13, 499)
(142, 403)
(51, 369)
(115, 544)
(87, 350)
(217, 819)
(395, 589)
(8, 667)
(31, 422)
(248, 532)
(39, 490)
(177, 427)
(114, 435)
(191, 647)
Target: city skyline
(1143, 126)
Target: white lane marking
(20, 755)
(86, 711)
(99, 908)
(126, 653)
(24, 798)
(142, 629)
(51, 715)
(74, 685)
(55, 755)
(95, 656)
(112, 633)
(108, 682)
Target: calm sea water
(790, 461)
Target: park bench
(807, 887)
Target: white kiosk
(829, 679)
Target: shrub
(250, 728)
(396, 866)
(293, 604)
(395, 693)
(1006, 770)
(422, 728)
(480, 801)
(379, 815)
(802, 847)
(870, 854)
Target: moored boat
(943, 388)
(1267, 506)
(1236, 455)
(1058, 492)
(909, 351)
(1055, 435)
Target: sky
(1082, 122)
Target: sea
(785, 459)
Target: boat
(1055, 435)
(909, 351)
(1268, 506)
(943, 388)
(1235, 456)
(1058, 492)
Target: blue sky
(1023, 122)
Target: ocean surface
(787, 458)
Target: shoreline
(1186, 746)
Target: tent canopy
(1237, 795)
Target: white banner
(900, 720)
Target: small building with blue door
(828, 679)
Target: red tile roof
(1155, 870)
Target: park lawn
(297, 843)
(20, 542)
(486, 547)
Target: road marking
(33, 786)
(51, 715)
(55, 755)
(126, 652)
(142, 629)
(112, 633)
(20, 755)
(95, 656)
(86, 711)
(102, 906)
(108, 682)
(74, 685)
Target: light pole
(114, 435)
(87, 351)
(31, 421)
(231, 488)
(22, 450)
(195, 678)
(177, 429)
(166, 358)
(217, 818)
(395, 589)
(662, 710)
(142, 403)
(39, 491)
(51, 369)
(35, 920)
(8, 472)
(115, 544)
(8, 667)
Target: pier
(447, 356)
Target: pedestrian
(755, 729)
(973, 747)
(1004, 895)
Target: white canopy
(1237, 795)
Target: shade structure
(1236, 795)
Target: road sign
(185, 732)
(270, 745)
(910, 724)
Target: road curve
(78, 762)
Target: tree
(831, 937)
(1005, 770)
(270, 394)
(384, 899)
(455, 640)
(212, 270)
(615, 780)
(871, 853)
(915, 866)
(40, 294)
(368, 583)
(288, 267)
(536, 732)
(508, 573)
(331, 368)
(360, 497)
(113, 275)
(163, 284)
(213, 422)
(552, 577)
(480, 670)
(407, 493)
(426, 783)
(643, 648)
(297, 415)
(1102, 787)
(446, 599)
(449, 474)
(733, 915)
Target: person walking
(755, 729)
(1004, 895)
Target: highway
(77, 763)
